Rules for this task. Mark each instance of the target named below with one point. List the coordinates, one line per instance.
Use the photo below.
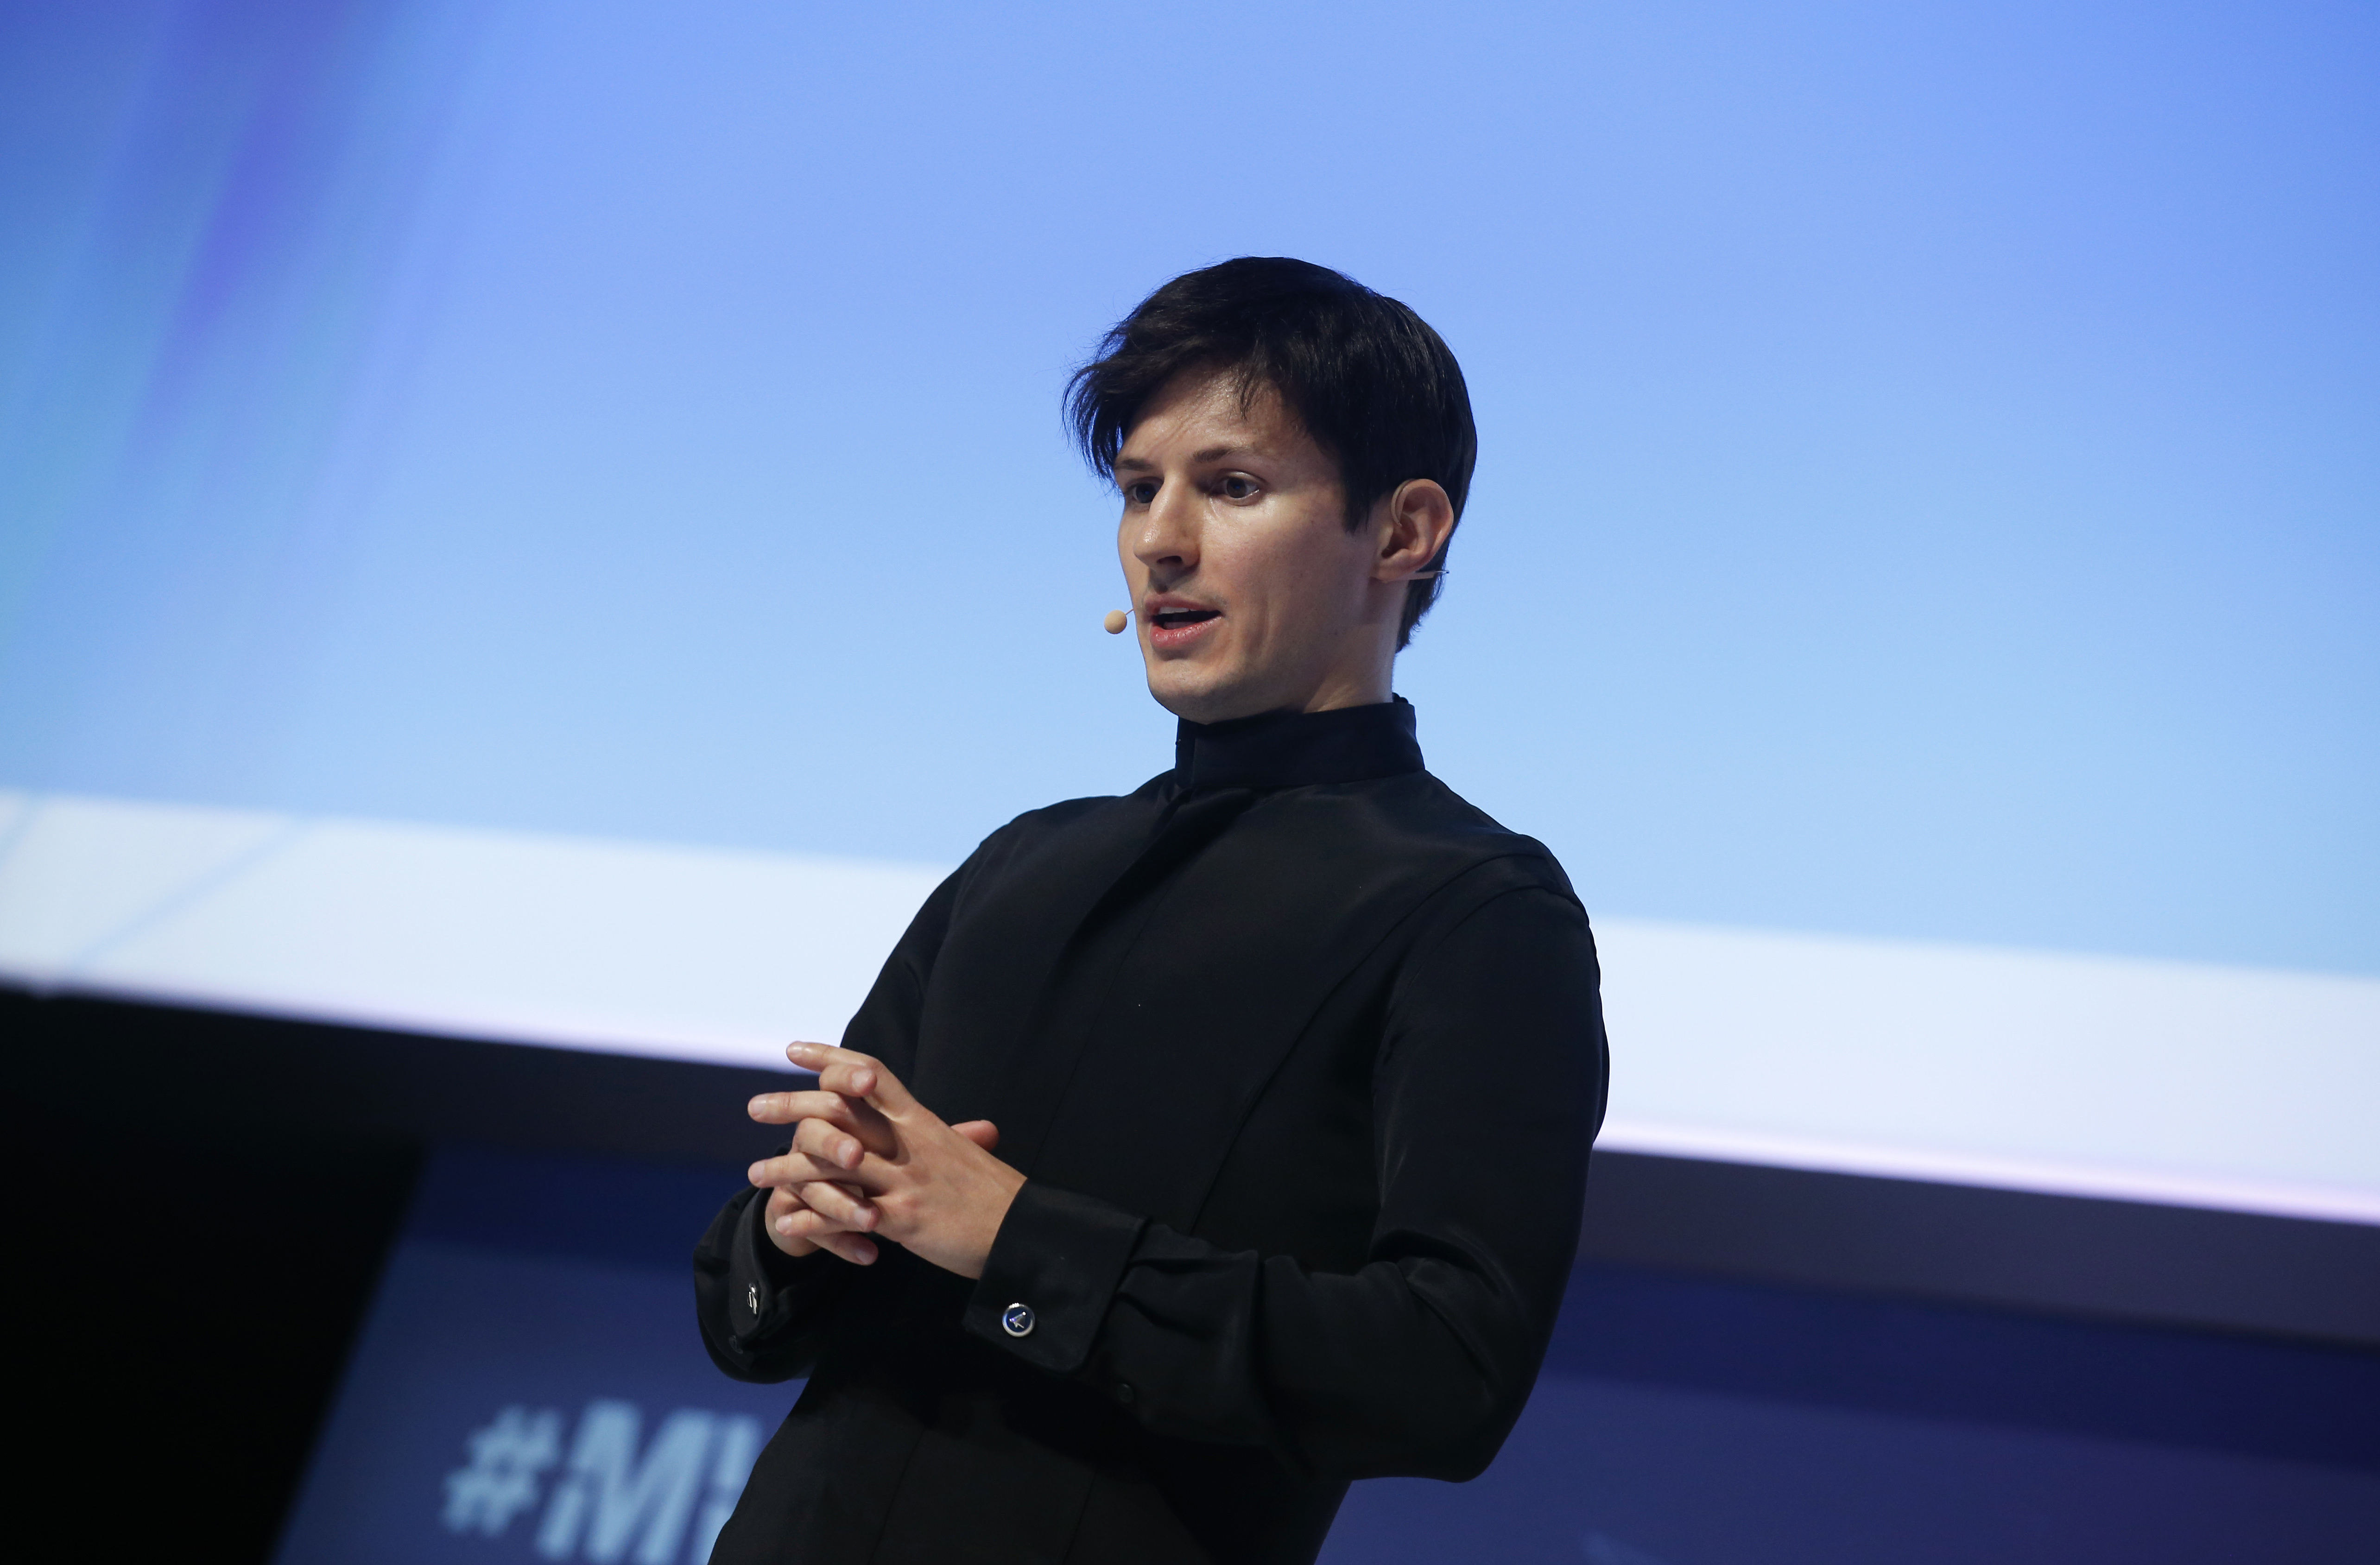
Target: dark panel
(2283, 1399)
(202, 1203)
(2120, 1259)
(185, 1287)
(143, 1062)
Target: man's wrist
(995, 1217)
(1051, 1271)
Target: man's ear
(1419, 521)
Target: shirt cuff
(764, 1285)
(1054, 1266)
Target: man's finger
(803, 1223)
(835, 1204)
(792, 1201)
(867, 1122)
(784, 1108)
(983, 1133)
(841, 1070)
(856, 1248)
(793, 1168)
(857, 1078)
(823, 1141)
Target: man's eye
(1140, 493)
(1237, 488)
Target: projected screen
(551, 522)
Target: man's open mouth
(1177, 619)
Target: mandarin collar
(1298, 749)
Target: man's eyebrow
(1208, 454)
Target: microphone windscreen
(1117, 619)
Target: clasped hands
(869, 1161)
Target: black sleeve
(763, 1312)
(1488, 1094)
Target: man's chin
(1204, 699)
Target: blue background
(1928, 455)
(1677, 1422)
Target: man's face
(1251, 594)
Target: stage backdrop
(528, 1388)
(548, 521)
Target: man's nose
(1167, 541)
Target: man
(1202, 1149)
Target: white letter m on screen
(610, 1498)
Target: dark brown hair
(1375, 387)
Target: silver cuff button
(1017, 1320)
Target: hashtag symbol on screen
(507, 1458)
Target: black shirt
(1301, 1056)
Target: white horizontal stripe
(2236, 1078)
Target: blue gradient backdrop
(1929, 463)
